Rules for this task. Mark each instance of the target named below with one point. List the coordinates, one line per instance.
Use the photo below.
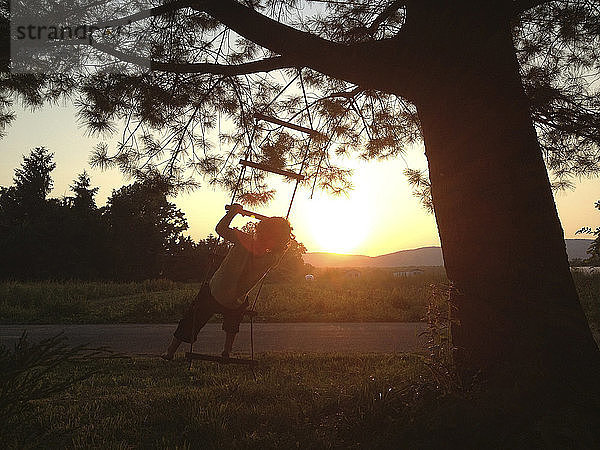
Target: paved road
(271, 337)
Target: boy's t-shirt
(239, 272)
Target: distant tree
(84, 233)
(192, 261)
(28, 235)
(144, 229)
(8, 231)
(185, 261)
(32, 180)
(594, 249)
(84, 194)
(291, 265)
(212, 250)
(8, 204)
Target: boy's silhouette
(247, 262)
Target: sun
(339, 225)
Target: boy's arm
(223, 229)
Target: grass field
(296, 401)
(49, 399)
(376, 296)
(588, 287)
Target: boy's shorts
(200, 312)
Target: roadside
(268, 337)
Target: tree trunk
(503, 244)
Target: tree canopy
(182, 80)
(137, 235)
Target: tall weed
(29, 373)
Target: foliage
(558, 46)
(28, 230)
(421, 185)
(84, 193)
(144, 227)
(440, 321)
(588, 287)
(32, 180)
(297, 401)
(204, 75)
(594, 250)
(32, 372)
(138, 235)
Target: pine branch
(342, 61)
(520, 6)
(152, 12)
(263, 65)
(388, 12)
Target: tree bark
(520, 318)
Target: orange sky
(379, 216)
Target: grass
(588, 287)
(152, 301)
(297, 401)
(376, 296)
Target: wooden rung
(247, 213)
(285, 173)
(283, 123)
(220, 359)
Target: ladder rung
(283, 123)
(247, 213)
(220, 359)
(285, 173)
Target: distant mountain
(321, 259)
(424, 256)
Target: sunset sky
(379, 216)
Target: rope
(289, 208)
(248, 156)
(310, 122)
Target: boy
(247, 262)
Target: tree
(84, 194)
(32, 180)
(144, 229)
(28, 233)
(291, 265)
(594, 250)
(84, 240)
(42, 237)
(491, 90)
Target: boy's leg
(196, 316)
(229, 338)
(171, 349)
(231, 326)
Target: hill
(424, 256)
